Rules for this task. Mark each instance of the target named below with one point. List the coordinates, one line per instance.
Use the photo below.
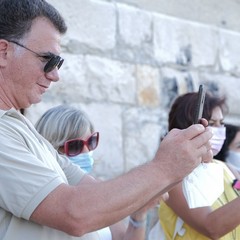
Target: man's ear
(4, 48)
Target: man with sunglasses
(42, 195)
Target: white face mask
(233, 158)
(217, 140)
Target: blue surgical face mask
(84, 160)
(233, 158)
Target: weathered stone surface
(184, 43)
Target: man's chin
(36, 100)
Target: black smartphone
(200, 104)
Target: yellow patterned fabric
(168, 218)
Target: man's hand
(182, 150)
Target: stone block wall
(124, 66)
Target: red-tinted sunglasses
(75, 146)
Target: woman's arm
(137, 223)
(120, 232)
(212, 224)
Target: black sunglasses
(75, 146)
(53, 60)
